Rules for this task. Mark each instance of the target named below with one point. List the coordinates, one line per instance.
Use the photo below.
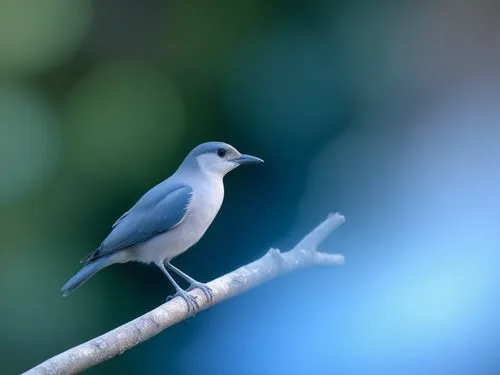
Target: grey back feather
(159, 210)
(120, 219)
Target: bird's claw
(207, 291)
(188, 298)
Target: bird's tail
(86, 273)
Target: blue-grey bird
(169, 218)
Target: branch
(273, 264)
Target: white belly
(203, 208)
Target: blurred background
(386, 112)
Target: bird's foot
(190, 300)
(207, 291)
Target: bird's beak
(247, 159)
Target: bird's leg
(194, 283)
(190, 300)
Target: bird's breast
(205, 204)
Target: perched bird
(169, 218)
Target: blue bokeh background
(388, 113)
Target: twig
(270, 266)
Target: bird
(169, 219)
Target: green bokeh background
(99, 101)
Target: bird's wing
(159, 210)
(120, 219)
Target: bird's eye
(221, 152)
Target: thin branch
(270, 266)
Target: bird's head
(218, 158)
